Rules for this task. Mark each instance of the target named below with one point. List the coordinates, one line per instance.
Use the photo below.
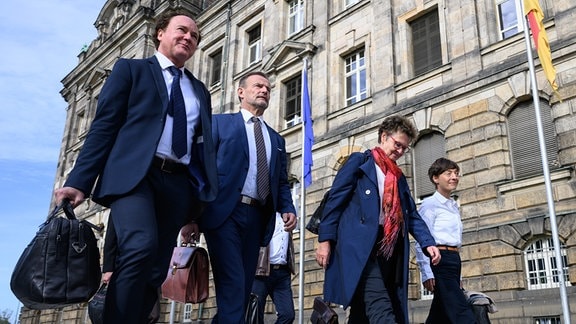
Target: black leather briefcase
(322, 313)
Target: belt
(169, 166)
(448, 248)
(250, 201)
(278, 266)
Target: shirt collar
(164, 61)
(443, 200)
(246, 115)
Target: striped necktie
(262, 176)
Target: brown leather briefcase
(187, 279)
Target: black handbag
(61, 266)
(322, 313)
(251, 316)
(96, 305)
(314, 221)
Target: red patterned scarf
(393, 221)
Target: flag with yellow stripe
(535, 16)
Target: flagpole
(547, 181)
(302, 202)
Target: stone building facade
(458, 69)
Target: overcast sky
(40, 43)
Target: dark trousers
(372, 301)
(278, 286)
(234, 248)
(146, 221)
(449, 304)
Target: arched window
(524, 143)
(427, 149)
(541, 268)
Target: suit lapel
(274, 149)
(239, 124)
(156, 71)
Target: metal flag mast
(547, 181)
(305, 180)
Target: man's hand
(434, 254)
(290, 221)
(190, 233)
(323, 254)
(75, 196)
(429, 284)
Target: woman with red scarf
(363, 236)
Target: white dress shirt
(443, 219)
(192, 104)
(250, 184)
(279, 243)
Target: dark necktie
(262, 180)
(177, 110)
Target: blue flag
(308, 130)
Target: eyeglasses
(399, 146)
(451, 173)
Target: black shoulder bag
(61, 266)
(314, 221)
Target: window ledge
(555, 175)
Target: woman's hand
(323, 254)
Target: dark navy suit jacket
(232, 159)
(129, 121)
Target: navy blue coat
(124, 135)
(350, 221)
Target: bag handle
(69, 212)
(64, 205)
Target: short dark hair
(441, 165)
(164, 19)
(396, 123)
(242, 82)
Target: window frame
(350, 3)
(355, 74)
(424, 154)
(429, 44)
(524, 142)
(254, 44)
(540, 262)
(296, 16)
(519, 25)
(293, 97)
(187, 313)
(216, 67)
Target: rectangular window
(254, 44)
(216, 68)
(187, 313)
(426, 48)
(509, 18)
(296, 16)
(542, 270)
(547, 320)
(355, 77)
(293, 101)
